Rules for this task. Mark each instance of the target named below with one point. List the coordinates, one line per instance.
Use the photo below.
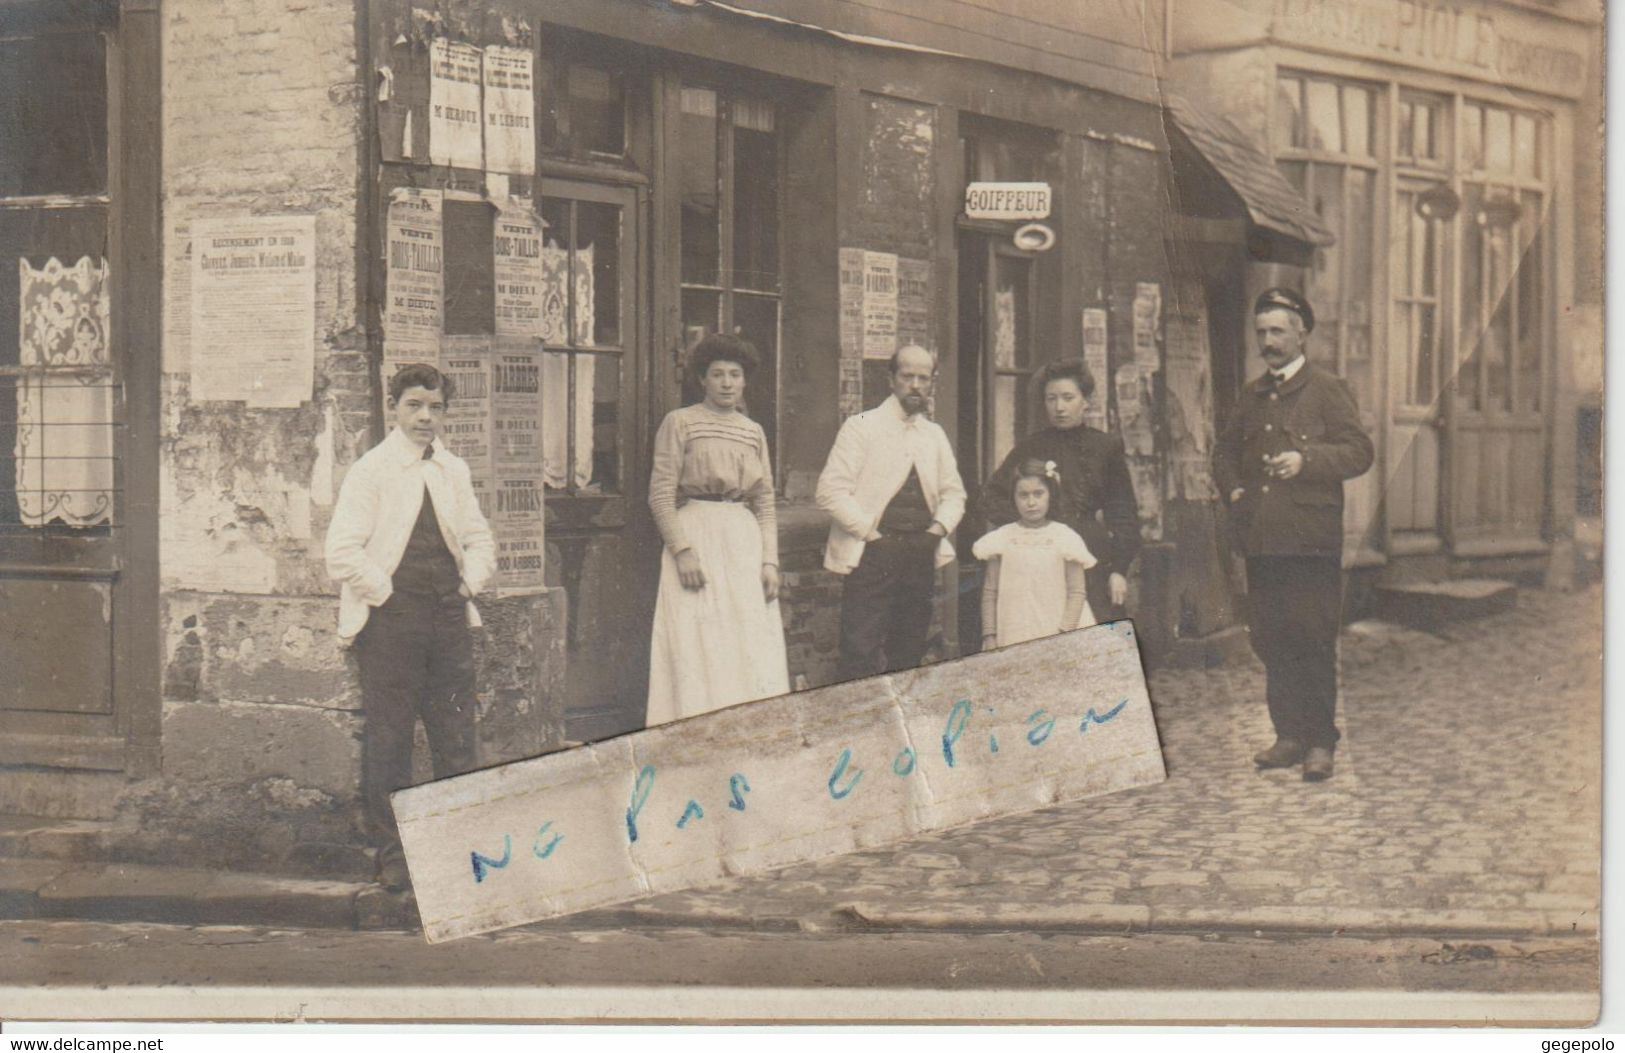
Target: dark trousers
(1295, 608)
(417, 660)
(886, 605)
(1098, 588)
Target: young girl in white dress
(1034, 585)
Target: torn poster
(510, 104)
(1095, 359)
(1004, 327)
(851, 298)
(254, 309)
(454, 104)
(1188, 388)
(850, 397)
(1147, 322)
(785, 780)
(913, 302)
(879, 304)
(178, 297)
(414, 295)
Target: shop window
(1326, 148)
(730, 198)
(582, 107)
(1012, 351)
(1503, 253)
(1416, 280)
(1421, 131)
(58, 387)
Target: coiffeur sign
(1007, 201)
(781, 781)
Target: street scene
(417, 415)
(1456, 855)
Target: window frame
(1380, 119)
(728, 93)
(127, 739)
(1475, 323)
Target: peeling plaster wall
(262, 726)
(261, 732)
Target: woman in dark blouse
(1097, 498)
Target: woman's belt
(714, 497)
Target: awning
(1271, 202)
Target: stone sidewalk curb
(36, 889)
(1327, 920)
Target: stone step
(87, 841)
(59, 888)
(1425, 604)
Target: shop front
(710, 168)
(1437, 143)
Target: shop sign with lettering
(1007, 201)
(1515, 48)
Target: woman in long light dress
(718, 639)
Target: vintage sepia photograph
(802, 511)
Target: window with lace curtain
(58, 388)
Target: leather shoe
(1284, 754)
(392, 872)
(1317, 765)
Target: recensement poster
(254, 309)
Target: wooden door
(602, 547)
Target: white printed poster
(254, 309)
(454, 105)
(510, 102)
(1095, 359)
(414, 298)
(517, 246)
(879, 304)
(466, 361)
(516, 451)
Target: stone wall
(260, 742)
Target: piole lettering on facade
(1423, 31)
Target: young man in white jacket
(411, 550)
(892, 489)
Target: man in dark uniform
(1294, 438)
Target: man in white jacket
(893, 494)
(411, 548)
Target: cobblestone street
(1466, 798)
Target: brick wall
(896, 210)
